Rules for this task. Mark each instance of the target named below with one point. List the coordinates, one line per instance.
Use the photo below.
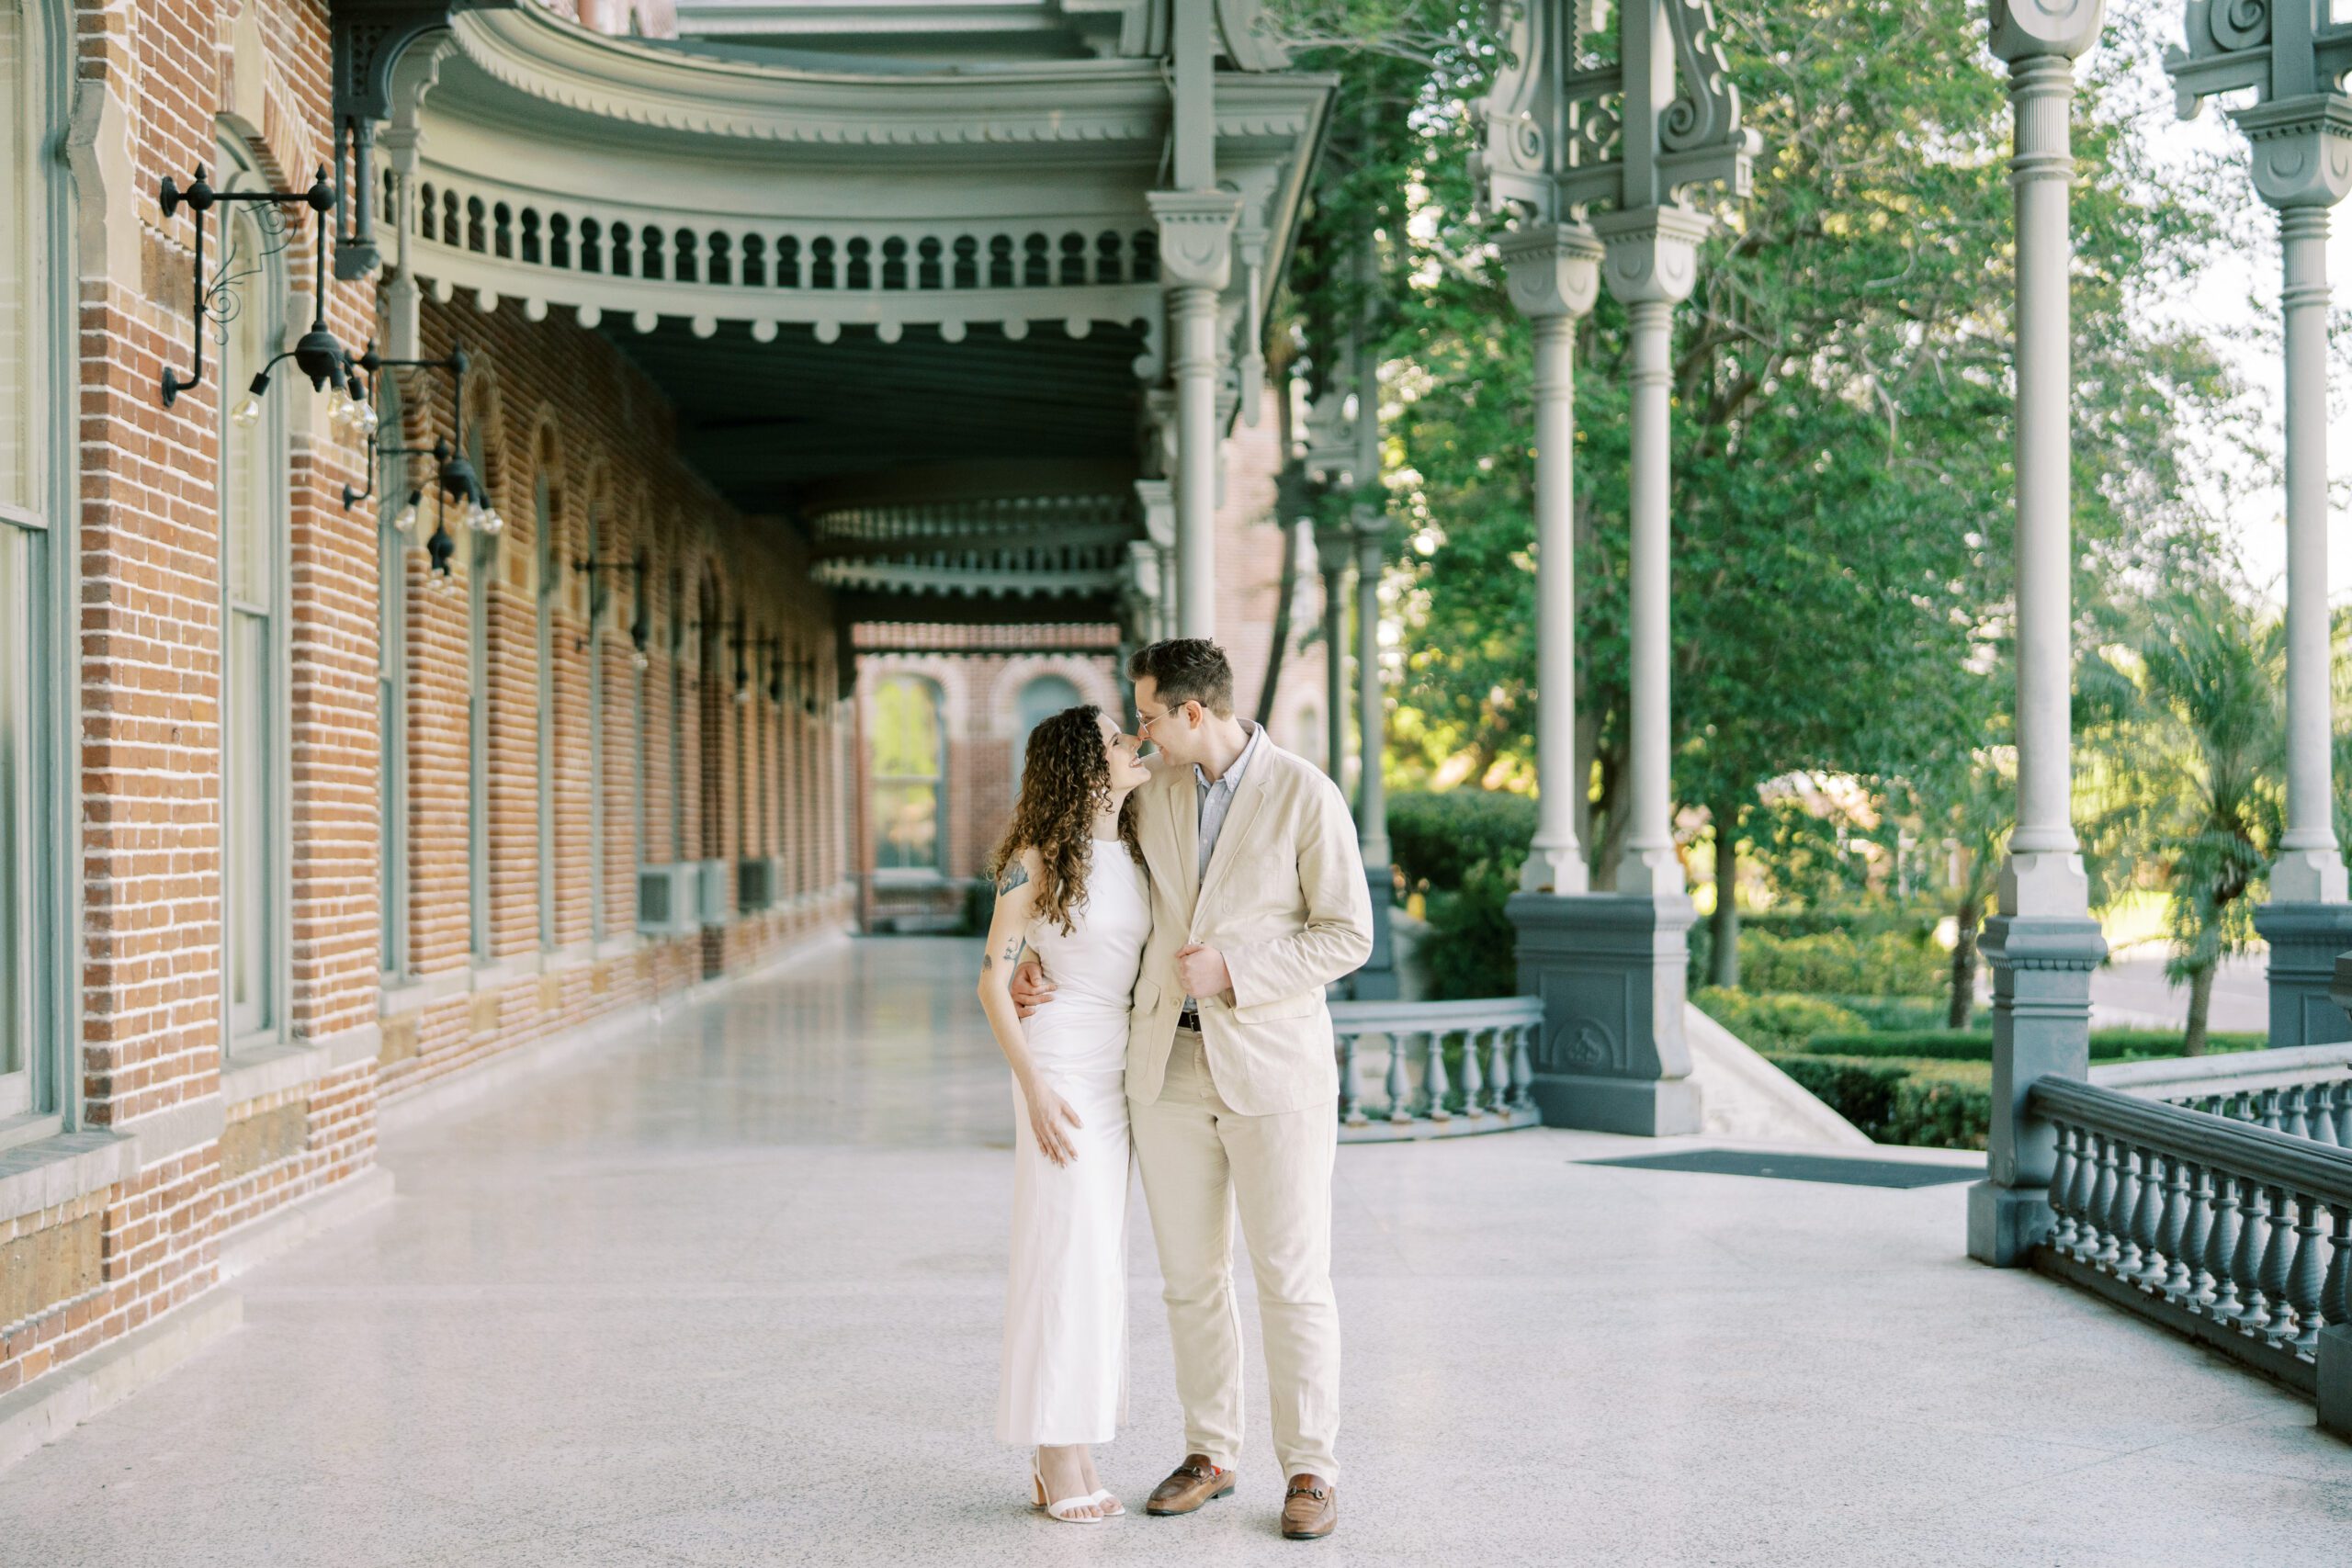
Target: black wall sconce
(595, 570)
(453, 476)
(809, 683)
(316, 353)
(772, 660)
(742, 671)
(640, 627)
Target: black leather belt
(1189, 1019)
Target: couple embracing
(1184, 914)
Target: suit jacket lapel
(1181, 814)
(1249, 795)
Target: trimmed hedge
(1977, 1046)
(1884, 964)
(1776, 1020)
(1435, 837)
(1907, 1013)
(1924, 1104)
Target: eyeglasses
(1144, 722)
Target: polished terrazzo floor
(730, 1295)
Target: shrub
(1921, 1103)
(1471, 947)
(1977, 1044)
(1896, 1012)
(1887, 964)
(1436, 836)
(1776, 1020)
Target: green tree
(1842, 475)
(2188, 724)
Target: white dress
(1065, 1375)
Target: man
(1258, 903)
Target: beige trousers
(1201, 1160)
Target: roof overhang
(837, 273)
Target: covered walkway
(730, 1295)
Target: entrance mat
(1800, 1168)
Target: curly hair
(1065, 777)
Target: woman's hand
(1047, 1112)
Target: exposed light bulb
(490, 522)
(367, 417)
(248, 413)
(744, 694)
(404, 521)
(638, 658)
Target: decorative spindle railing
(1444, 1068)
(2305, 1092)
(2235, 1233)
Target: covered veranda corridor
(731, 1294)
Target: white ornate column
(1624, 135)
(2041, 943)
(2300, 132)
(1555, 272)
(1652, 262)
(1195, 262)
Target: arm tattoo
(1015, 875)
(984, 963)
(1012, 950)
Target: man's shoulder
(1293, 772)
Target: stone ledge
(57, 1170)
(51, 1406)
(435, 1096)
(281, 1068)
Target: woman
(1070, 884)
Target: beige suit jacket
(1284, 900)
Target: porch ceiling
(765, 421)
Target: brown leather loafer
(1310, 1508)
(1189, 1486)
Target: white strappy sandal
(1060, 1511)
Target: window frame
(877, 780)
(392, 697)
(265, 290)
(52, 900)
(482, 571)
(550, 576)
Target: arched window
(251, 473)
(591, 543)
(391, 691)
(482, 567)
(37, 435)
(910, 776)
(1039, 701)
(550, 576)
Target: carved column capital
(2022, 29)
(1652, 253)
(1157, 498)
(1196, 236)
(2302, 149)
(1554, 269)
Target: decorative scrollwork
(1706, 109)
(2235, 24)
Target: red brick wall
(155, 77)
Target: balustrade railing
(2236, 1233)
(2305, 1092)
(1444, 1068)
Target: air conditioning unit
(665, 899)
(755, 883)
(713, 905)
